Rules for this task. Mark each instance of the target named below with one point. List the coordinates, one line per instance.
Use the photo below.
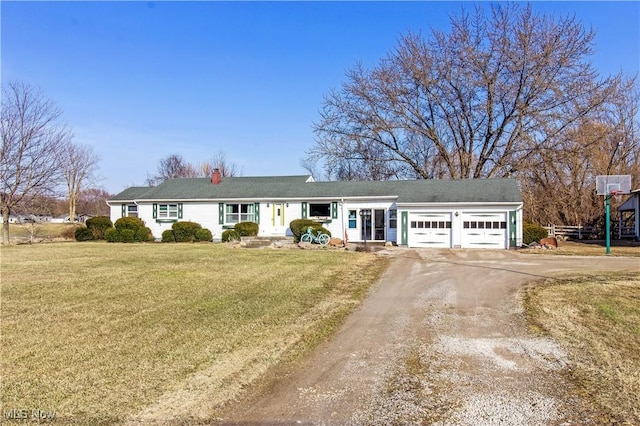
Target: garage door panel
(429, 229)
(484, 230)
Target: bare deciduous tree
(220, 162)
(78, 166)
(93, 201)
(558, 186)
(32, 137)
(478, 101)
(170, 167)
(174, 166)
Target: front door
(378, 225)
(365, 225)
(278, 220)
(373, 225)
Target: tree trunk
(5, 226)
(72, 208)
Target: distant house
(629, 216)
(477, 213)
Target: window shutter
(155, 211)
(304, 210)
(179, 210)
(257, 213)
(404, 231)
(513, 239)
(124, 210)
(221, 213)
(334, 210)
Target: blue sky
(138, 81)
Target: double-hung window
(353, 219)
(393, 218)
(167, 211)
(235, 213)
(132, 210)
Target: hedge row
(128, 230)
(241, 229)
(186, 232)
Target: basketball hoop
(611, 186)
(617, 195)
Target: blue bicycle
(319, 238)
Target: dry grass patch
(38, 232)
(590, 248)
(102, 333)
(597, 318)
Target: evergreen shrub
(132, 223)
(128, 230)
(204, 235)
(230, 235)
(112, 235)
(533, 233)
(299, 227)
(127, 235)
(143, 235)
(98, 225)
(168, 237)
(247, 229)
(83, 234)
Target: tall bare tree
(78, 164)
(174, 166)
(93, 201)
(32, 137)
(219, 161)
(478, 101)
(558, 186)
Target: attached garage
(484, 230)
(429, 229)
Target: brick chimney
(216, 177)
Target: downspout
(344, 234)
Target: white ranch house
(474, 213)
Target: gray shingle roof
(297, 187)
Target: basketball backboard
(613, 184)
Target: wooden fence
(573, 232)
(588, 232)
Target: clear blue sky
(138, 81)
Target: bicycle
(309, 237)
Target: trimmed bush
(98, 225)
(132, 223)
(112, 235)
(247, 229)
(533, 233)
(230, 235)
(168, 237)
(127, 235)
(143, 235)
(299, 227)
(83, 234)
(204, 235)
(128, 230)
(185, 232)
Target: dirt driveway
(440, 339)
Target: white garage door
(429, 230)
(484, 230)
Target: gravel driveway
(440, 339)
